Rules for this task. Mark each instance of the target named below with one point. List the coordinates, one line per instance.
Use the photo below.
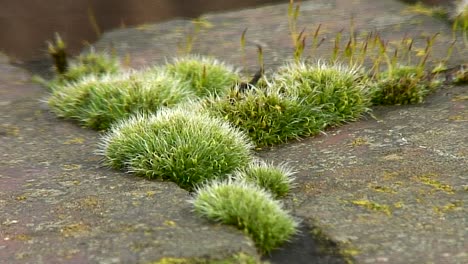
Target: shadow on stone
(306, 248)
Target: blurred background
(26, 25)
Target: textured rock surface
(389, 189)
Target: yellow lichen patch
(451, 206)
(76, 140)
(174, 261)
(170, 223)
(383, 189)
(74, 230)
(359, 142)
(22, 237)
(458, 118)
(70, 167)
(9, 130)
(398, 183)
(350, 252)
(21, 198)
(308, 187)
(389, 175)
(240, 258)
(373, 206)
(428, 179)
(150, 193)
(89, 202)
(460, 98)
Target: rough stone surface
(391, 188)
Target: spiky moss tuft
(206, 75)
(97, 102)
(92, 63)
(275, 179)
(340, 91)
(268, 116)
(184, 145)
(403, 85)
(249, 208)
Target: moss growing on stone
(249, 208)
(185, 146)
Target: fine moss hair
(205, 75)
(97, 102)
(249, 208)
(275, 179)
(183, 145)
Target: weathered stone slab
(390, 189)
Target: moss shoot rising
(205, 75)
(249, 208)
(184, 146)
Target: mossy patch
(185, 146)
(249, 208)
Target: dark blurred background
(26, 25)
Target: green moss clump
(183, 145)
(268, 116)
(249, 208)
(97, 102)
(275, 179)
(89, 64)
(205, 75)
(339, 91)
(402, 85)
